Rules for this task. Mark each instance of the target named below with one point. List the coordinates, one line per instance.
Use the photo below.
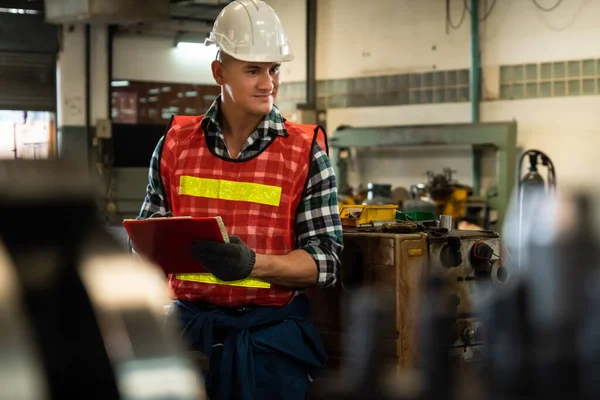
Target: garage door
(27, 81)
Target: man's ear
(218, 72)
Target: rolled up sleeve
(318, 225)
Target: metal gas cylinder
(416, 204)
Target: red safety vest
(256, 198)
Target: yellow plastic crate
(357, 215)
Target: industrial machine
(447, 195)
(499, 138)
(378, 193)
(541, 330)
(394, 260)
(418, 202)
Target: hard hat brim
(251, 57)
(260, 58)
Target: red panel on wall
(156, 102)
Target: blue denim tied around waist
(259, 342)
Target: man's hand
(227, 261)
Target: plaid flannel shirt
(318, 225)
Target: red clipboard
(168, 241)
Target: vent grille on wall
(524, 81)
(550, 79)
(391, 90)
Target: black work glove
(227, 261)
(159, 214)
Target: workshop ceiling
(196, 10)
(203, 11)
(187, 16)
(37, 5)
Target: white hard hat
(250, 30)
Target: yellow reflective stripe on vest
(230, 190)
(210, 278)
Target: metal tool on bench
(83, 317)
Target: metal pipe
(311, 54)
(109, 61)
(475, 75)
(88, 92)
(476, 155)
(446, 222)
(475, 89)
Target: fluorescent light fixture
(18, 11)
(190, 45)
(196, 50)
(119, 83)
(193, 41)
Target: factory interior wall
(358, 39)
(157, 59)
(152, 59)
(145, 58)
(517, 32)
(76, 139)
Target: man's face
(252, 86)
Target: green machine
(500, 137)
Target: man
(272, 183)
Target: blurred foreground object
(541, 332)
(363, 376)
(21, 371)
(432, 283)
(545, 331)
(83, 319)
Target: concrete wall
(73, 140)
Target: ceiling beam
(195, 3)
(199, 11)
(166, 26)
(193, 19)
